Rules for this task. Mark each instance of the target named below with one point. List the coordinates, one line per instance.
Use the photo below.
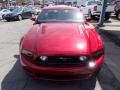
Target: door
(27, 13)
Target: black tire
(92, 16)
(107, 16)
(118, 16)
(89, 13)
(3, 17)
(20, 17)
(8, 20)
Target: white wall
(79, 2)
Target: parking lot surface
(12, 76)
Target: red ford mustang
(61, 45)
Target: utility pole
(33, 3)
(8, 4)
(4, 3)
(43, 2)
(102, 16)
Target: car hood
(59, 39)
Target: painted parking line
(97, 86)
(107, 79)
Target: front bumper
(61, 73)
(10, 17)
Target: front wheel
(94, 17)
(19, 17)
(118, 16)
(107, 16)
(8, 20)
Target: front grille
(61, 61)
(62, 77)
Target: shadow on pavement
(16, 79)
(107, 79)
(113, 36)
(96, 20)
(109, 75)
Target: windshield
(93, 2)
(51, 15)
(4, 10)
(17, 10)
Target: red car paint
(61, 39)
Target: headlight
(26, 52)
(97, 54)
(82, 58)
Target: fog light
(91, 64)
(43, 58)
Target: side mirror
(33, 18)
(88, 19)
(83, 5)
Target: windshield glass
(51, 15)
(18, 10)
(3, 10)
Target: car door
(84, 9)
(27, 13)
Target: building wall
(1, 1)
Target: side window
(5, 11)
(89, 3)
(27, 9)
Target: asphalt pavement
(12, 76)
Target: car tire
(8, 20)
(107, 16)
(20, 17)
(91, 16)
(89, 13)
(118, 16)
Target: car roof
(4, 9)
(61, 7)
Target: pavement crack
(112, 37)
(27, 80)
